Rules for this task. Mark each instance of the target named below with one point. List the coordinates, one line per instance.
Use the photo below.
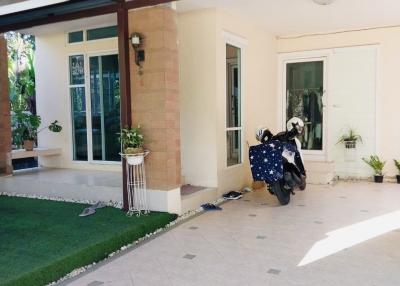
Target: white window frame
(84, 31)
(240, 43)
(86, 85)
(69, 86)
(298, 57)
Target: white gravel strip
(117, 205)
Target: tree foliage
(21, 71)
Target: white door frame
(298, 57)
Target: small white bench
(37, 152)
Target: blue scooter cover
(266, 161)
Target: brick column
(155, 94)
(5, 128)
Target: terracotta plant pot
(28, 145)
(398, 179)
(378, 178)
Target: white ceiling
(294, 17)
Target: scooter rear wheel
(282, 194)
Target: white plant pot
(135, 160)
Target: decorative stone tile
(95, 283)
(189, 256)
(274, 271)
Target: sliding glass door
(105, 107)
(95, 107)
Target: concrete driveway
(346, 234)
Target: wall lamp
(137, 43)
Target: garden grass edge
(89, 255)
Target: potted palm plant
(377, 165)
(350, 139)
(397, 163)
(132, 141)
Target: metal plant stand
(136, 183)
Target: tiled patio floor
(254, 241)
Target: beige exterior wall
(202, 37)
(197, 57)
(387, 97)
(53, 98)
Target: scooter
(278, 161)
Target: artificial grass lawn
(42, 241)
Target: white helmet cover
(297, 123)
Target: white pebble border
(118, 205)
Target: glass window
(105, 106)
(77, 70)
(75, 37)
(79, 130)
(234, 147)
(233, 105)
(101, 33)
(304, 92)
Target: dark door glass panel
(233, 87)
(75, 37)
(77, 70)
(105, 106)
(102, 33)
(79, 129)
(304, 93)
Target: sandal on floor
(87, 212)
(211, 207)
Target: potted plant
(350, 139)
(397, 163)
(132, 141)
(25, 128)
(375, 163)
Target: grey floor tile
(266, 249)
(95, 283)
(274, 271)
(189, 256)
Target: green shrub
(375, 163)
